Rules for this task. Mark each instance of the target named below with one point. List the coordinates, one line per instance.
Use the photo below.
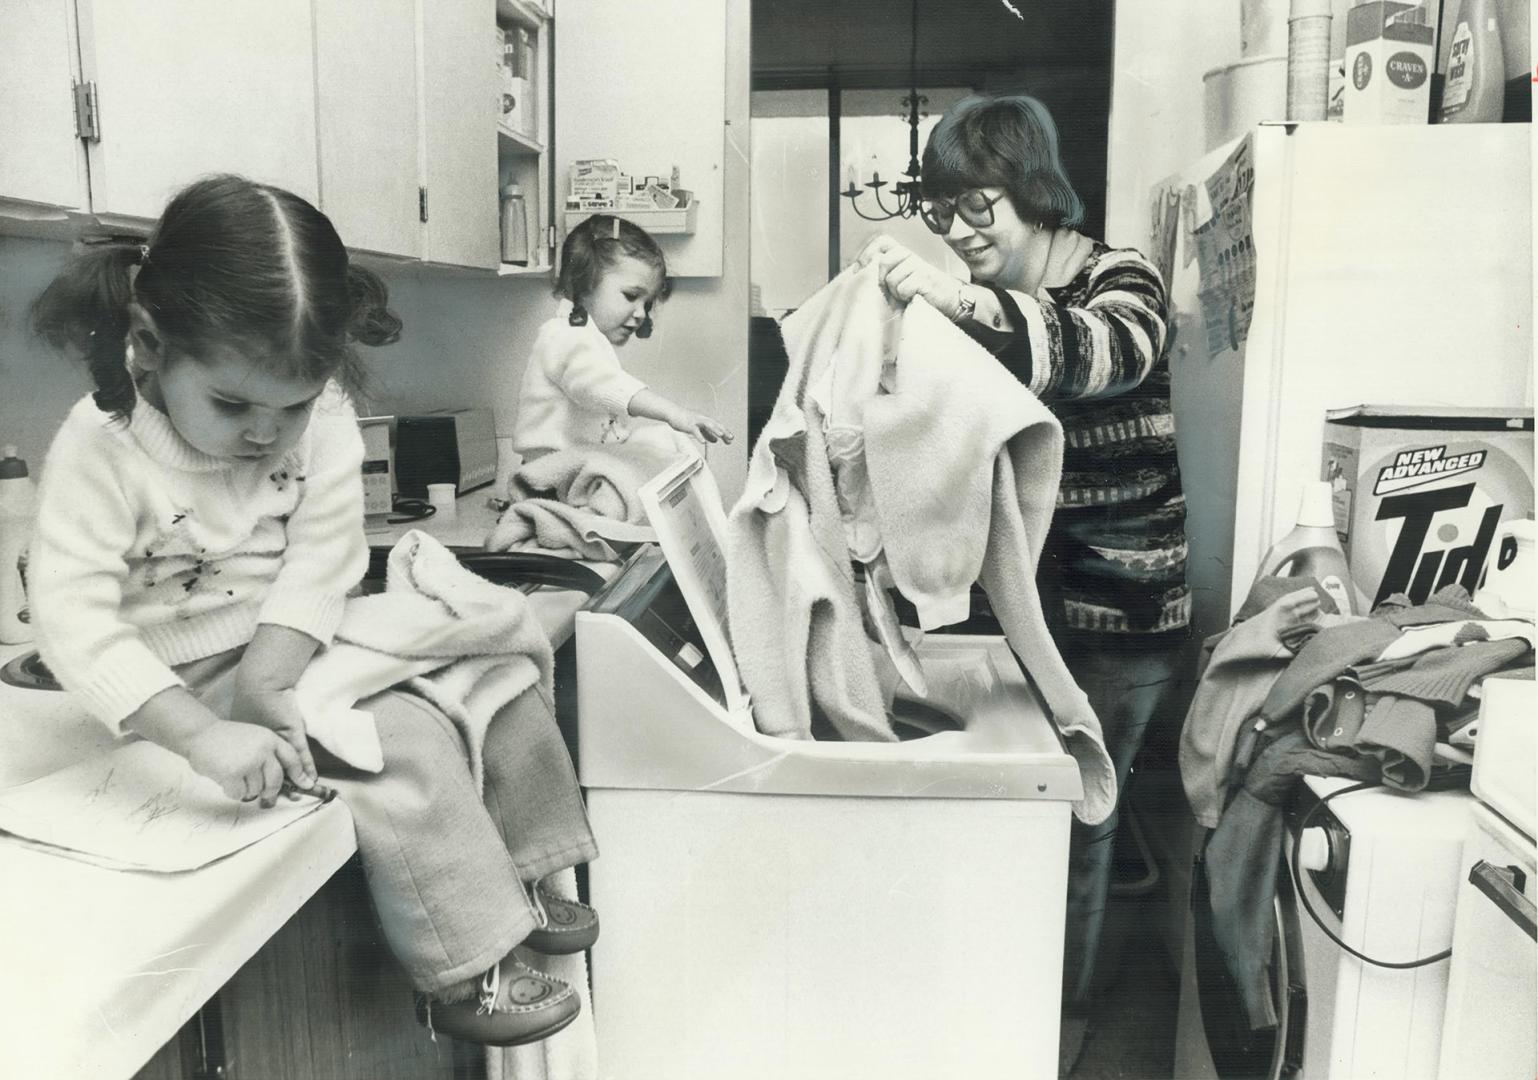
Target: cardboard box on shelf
(1390, 53)
(594, 178)
(1419, 492)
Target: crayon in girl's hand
(320, 791)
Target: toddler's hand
(278, 712)
(700, 426)
(247, 761)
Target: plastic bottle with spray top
(1313, 550)
(18, 500)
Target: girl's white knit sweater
(149, 553)
(574, 393)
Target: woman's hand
(278, 712)
(247, 761)
(905, 275)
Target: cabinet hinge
(86, 124)
(422, 203)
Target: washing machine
(1381, 871)
(811, 908)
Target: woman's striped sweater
(1094, 350)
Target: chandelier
(907, 191)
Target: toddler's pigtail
(372, 323)
(85, 308)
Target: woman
(1084, 326)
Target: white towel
(574, 502)
(464, 643)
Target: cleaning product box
(1390, 52)
(1418, 493)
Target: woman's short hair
(1010, 142)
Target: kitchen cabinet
(525, 138)
(42, 163)
(460, 101)
(183, 88)
(385, 115)
(367, 97)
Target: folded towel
(574, 502)
(462, 642)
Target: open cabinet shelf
(524, 150)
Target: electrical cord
(411, 510)
(1297, 876)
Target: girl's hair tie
(614, 232)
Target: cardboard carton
(1418, 493)
(1390, 52)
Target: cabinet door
(366, 86)
(186, 88)
(41, 160)
(461, 100)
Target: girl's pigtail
(372, 323)
(85, 309)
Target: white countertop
(100, 967)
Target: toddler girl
(574, 391)
(200, 524)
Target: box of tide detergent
(1419, 492)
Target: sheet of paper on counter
(139, 807)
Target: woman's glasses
(975, 208)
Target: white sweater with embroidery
(574, 393)
(148, 553)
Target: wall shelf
(513, 270)
(516, 142)
(530, 14)
(680, 220)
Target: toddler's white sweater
(149, 553)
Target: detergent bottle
(17, 500)
(1474, 92)
(1312, 549)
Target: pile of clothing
(1297, 688)
(900, 455)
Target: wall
(790, 185)
(1156, 100)
(466, 336)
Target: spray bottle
(1313, 550)
(17, 501)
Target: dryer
(1381, 869)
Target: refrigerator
(1314, 266)
(1387, 265)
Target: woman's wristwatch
(965, 306)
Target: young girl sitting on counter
(200, 525)
(575, 393)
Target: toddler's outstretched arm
(652, 405)
(247, 761)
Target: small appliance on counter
(378, 474)
(456, 447)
